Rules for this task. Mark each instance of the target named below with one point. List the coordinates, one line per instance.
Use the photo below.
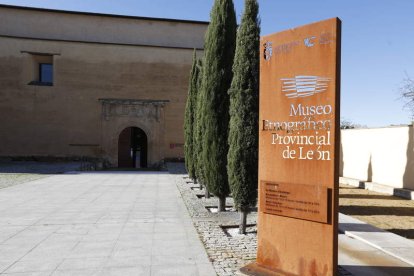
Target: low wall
(380, 155)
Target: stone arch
(154, 140)
(148, 115)
(132, 148)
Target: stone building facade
(76, 84)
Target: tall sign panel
(299, 151)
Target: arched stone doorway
(132, 148)
(148, 115)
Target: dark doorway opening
(132, 148)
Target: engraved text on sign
(295, 200)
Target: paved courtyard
(148, 223)
(107, 223)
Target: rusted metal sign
(299, 151)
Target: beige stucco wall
(35, 23)
(66, 119)
(380, 155)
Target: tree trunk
(222, 204)
(201, 185)
(243, 222)
(207, 193)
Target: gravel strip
(18, 172)
(227, 253)
(11, 179)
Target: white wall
(380, 155)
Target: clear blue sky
(377, 41)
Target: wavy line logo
(304, 86)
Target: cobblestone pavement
(227, 253)
(17, 172)
(387, 212)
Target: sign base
(254, 269)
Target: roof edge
(104, 14)
(98, 42)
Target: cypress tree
(244, 108)
(189, 119)
(217, 74)
(198, 128)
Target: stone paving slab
(103, 223)
(392, 244)
(358, 258)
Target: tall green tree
(216, 79)
(189, 119)
(244, 108)
(198, 129)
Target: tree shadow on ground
(358, 227)
(406, 233)
(379, 270)
(358, 210)
(38, 167)
(362, 227)
(362, 196)
(176, 168)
